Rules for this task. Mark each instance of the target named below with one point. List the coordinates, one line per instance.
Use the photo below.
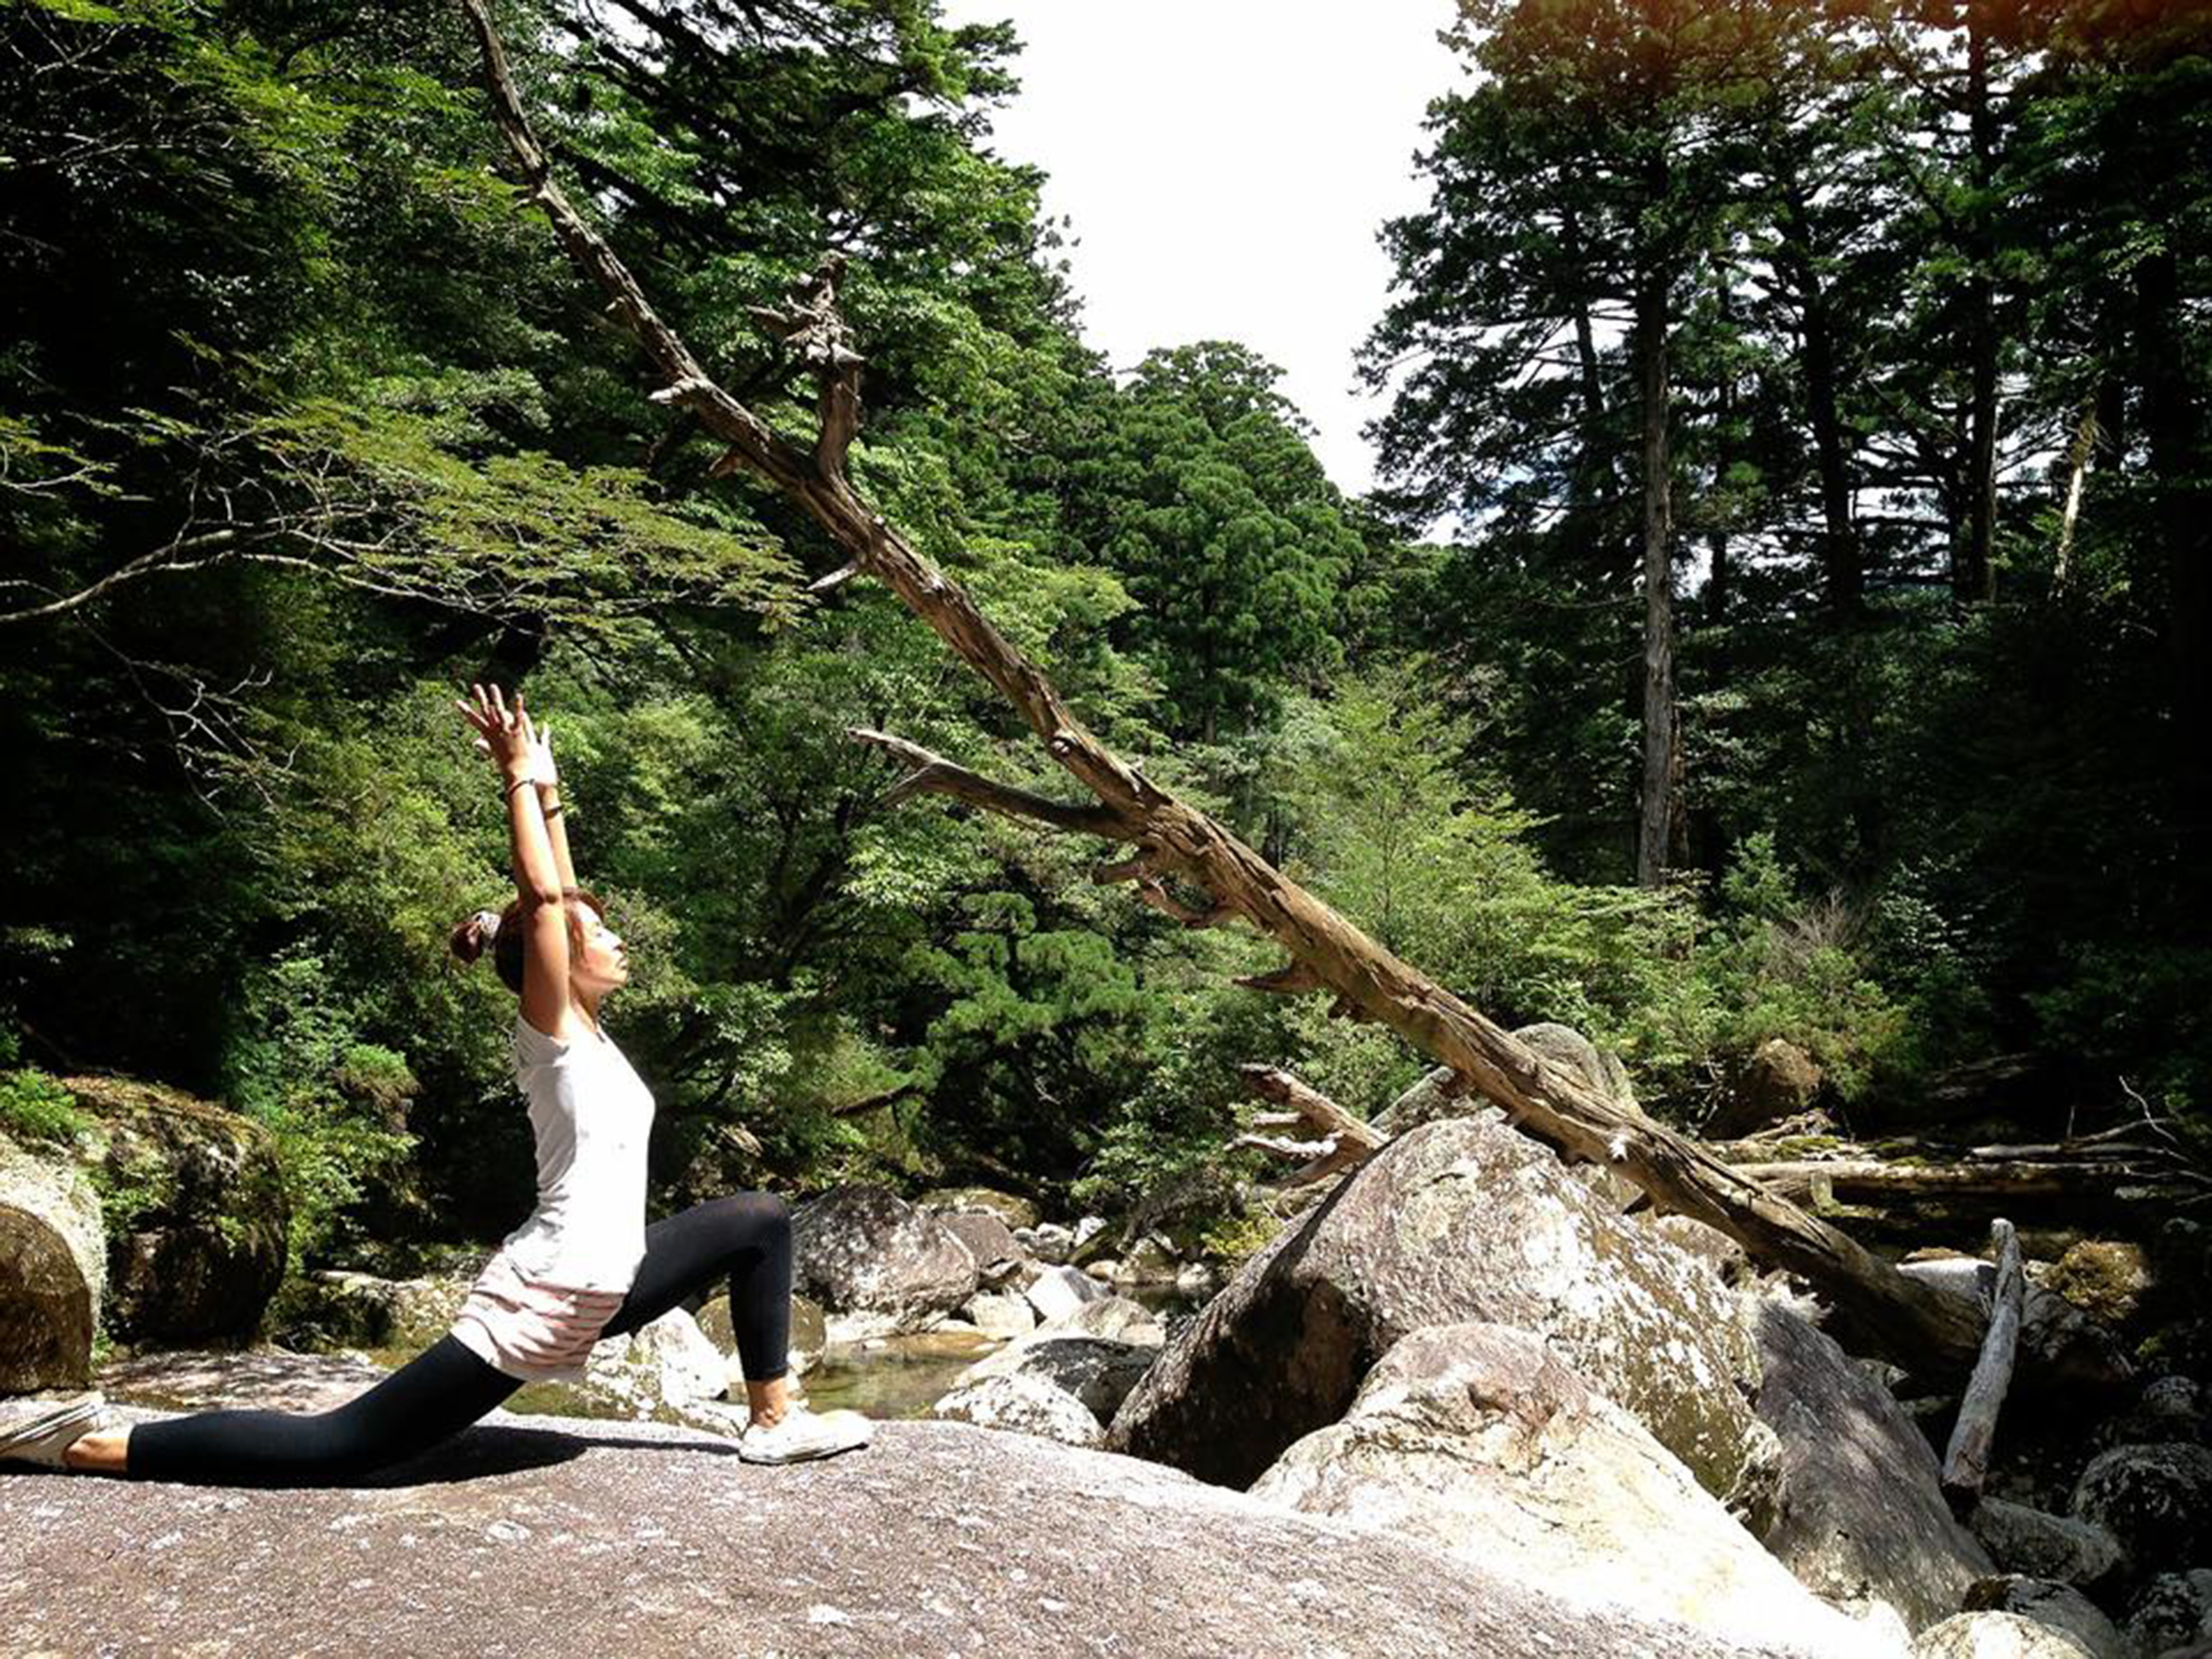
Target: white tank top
(592, 1115)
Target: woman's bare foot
(104, 1452)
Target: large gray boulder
(1479, 1440)
(863, 1251)
(1057, 1292)
(2055, 1607)
(2042, 1546)
(1438, 1094)
(1779, 1081)
(2061, 1348)
(53, 1267)
(1859, 1509)
(2174, 1610)
(1996, 1635)
(1460, 1222)
(1023, 1403)
(1012, 1210)
(2155, 1499)
(565, 1539)
(337, 1307)
(1095, 1370)
(998, 1256)
(196, 1211)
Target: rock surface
(196, 1212)
(1023, 1403)
(1859, 1508)
(1096, 1371)
(2042, 1546)
(53, 1267)
(1779, 1081)
(1012, 1210)
(1115, 1317)
(2155, 1499)
(2055, 1607)
(863, 1250)
(338, 1309)
(2060, 1348)
(998, 1256)
(1995, 1636)
(1478, 1440)
(1001, 1317)
(1057, 1292)
(670, 1362)
(2174, 1610)
(1462, 1221)
(565, 1538)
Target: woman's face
(599, 964)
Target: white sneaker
(800, 1434)
(42, 1435)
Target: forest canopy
(1788, 612)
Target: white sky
(1227, 164)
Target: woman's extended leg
(437, 1394)
(747, 1237)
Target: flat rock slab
(265, 1379)
(570, 1537)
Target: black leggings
(441, 1392)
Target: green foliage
(337, 1107)
(36, 1107)
(284, 350)
(1199, 489)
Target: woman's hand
(505, 734)
(542, 771)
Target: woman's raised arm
(507, 736)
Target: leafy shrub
(335, 1105)
(35, 1107)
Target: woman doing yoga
(584, 1264)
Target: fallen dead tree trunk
(1967, 1462)
(1173, 843)
(1842, 1180)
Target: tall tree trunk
(2172, 431)
(1583, 526)
(1973, 572)
(1843, 573)
(1659, 838)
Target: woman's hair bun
(469, 939)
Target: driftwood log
(1171, 844)
(1966, 1461)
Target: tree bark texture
(1659, 817)
(1974, 572)
(1842, 570)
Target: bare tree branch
(932, 773)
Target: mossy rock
(51, 1265)
(337, 1310)
(193, 1197)
(2103, 1276)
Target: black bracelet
(520, 783)
(554, 810)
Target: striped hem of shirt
(530, 1329)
